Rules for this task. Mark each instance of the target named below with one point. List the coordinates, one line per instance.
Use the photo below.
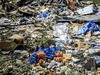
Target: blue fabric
(43, 15)
(95, 11)
(50, 53)
(90, 26)
(34, 54)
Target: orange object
(59, 54)
(41, 73)
(70, 65)
(58, 59)
(40, 58)
(69, 59)
(40, 62)
(51, 73)
(31, 56)
(72, 5)
(41, 55)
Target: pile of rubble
(49, 37)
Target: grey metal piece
(95, 17)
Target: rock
(66, 73)
(79, 66)
(41, 72)
(52, 64)
(93, 73)
(24, 54)
(39, 67)
(63, 68)
(5, 52)
(15, 69)
(10, 68)
(34, 68)
(75, 59)
(19, 62)
(76, 72)
(58, 71)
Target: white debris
(85, 10)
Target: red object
(70, 65)
(68, 0)
(31, 56)
(51, 73)
(40, 62)
(59, 54)
(58, 59)
(40, 58)
(0, 2)
(69, 59)
(72, 5)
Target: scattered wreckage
(60, 37)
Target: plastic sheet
(43, 15)
(90, 26)
(60, 29)
(95, 11)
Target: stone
(19, 62)
(75, 59)
(79, 66)
(24, 54)
(5, 52)
(10, 68)
(52, 64)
